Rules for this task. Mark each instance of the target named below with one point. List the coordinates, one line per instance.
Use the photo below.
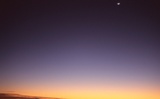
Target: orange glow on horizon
(91, 92)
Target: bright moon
(118, 3)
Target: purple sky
(74, 43)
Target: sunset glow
(80, 49)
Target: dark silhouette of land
(17, 96)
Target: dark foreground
(16, 96)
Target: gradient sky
(81, 49)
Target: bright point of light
(118, 3)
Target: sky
(81, 49)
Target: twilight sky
(81, 49)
